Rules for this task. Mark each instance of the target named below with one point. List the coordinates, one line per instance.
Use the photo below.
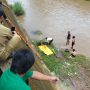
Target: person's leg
(72, 45)
(68, 41)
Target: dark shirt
(69, 36)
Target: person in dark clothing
(68, 38)
(2, 14)
(73, 42)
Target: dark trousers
(50, 41)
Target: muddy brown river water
(55, 17)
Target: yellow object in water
(45, 49)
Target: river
(55, 17)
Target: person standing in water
(68, 38)
(73, 42)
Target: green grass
(65, 67)
(79, 59)
(17, 8)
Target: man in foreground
(14, 77)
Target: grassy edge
(66, 67)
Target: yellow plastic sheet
(45, 49)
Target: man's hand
(54, 79)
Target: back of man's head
(22, 61)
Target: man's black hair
(22, 61)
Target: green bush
(17, 8)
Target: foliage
(60, 67)
(17, 8)
(65, 67)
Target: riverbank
(55, 17)
(73, 72)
